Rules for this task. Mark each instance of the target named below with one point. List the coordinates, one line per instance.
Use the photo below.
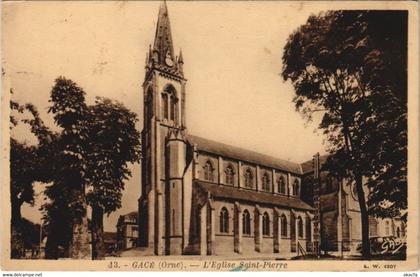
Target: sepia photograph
(210, 136)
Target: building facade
(127, 231)
(207, 198)
(110, 241)
(340, 229)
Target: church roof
(220, 191)
(234, 152)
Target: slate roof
(234, 152)
(220, 191)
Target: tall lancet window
(300, 227)
(173, 107)
(148, 109)
(165, 105)
(246, 223)
(266, 224)
(224, 220)
(283, 223)
(282, 185)
(208, 171)
(266, 182)
(248, 178)
(229, 175)
(169, 105)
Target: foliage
(113, 143)
(351, 66)
(69, 110)
(23, 165)
(28, 164)
(91, 156)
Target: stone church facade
(340, 228)
(207, 198)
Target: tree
(22, 164)
(113, 143)
(27, 165)
(67, 193)
(86, 163)
(91, 159)
(343, 64)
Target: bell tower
(164, 114)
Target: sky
(233, 60)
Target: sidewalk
(148, 254)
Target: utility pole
(340, 218)
(316, 195)
(40, 239)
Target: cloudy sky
(232, 53)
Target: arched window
(266, 224)
(300, 227)
(283, 223)
(165, 105)
(173, 107)
(208, 171)
(148, 107)
(295, 188)
(387, 228)
(229, 175)
(169, 106)
(282, 185)
(224, 220)
(248, 178)
(398, 232)
(266, 182)
(246, 223)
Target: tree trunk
(80, 243)
(98, 245)
(80, 246)
(364, 217)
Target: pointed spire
(181, 63)
(163, 44)
(180, 59)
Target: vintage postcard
(210, 136)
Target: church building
(201, 197)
